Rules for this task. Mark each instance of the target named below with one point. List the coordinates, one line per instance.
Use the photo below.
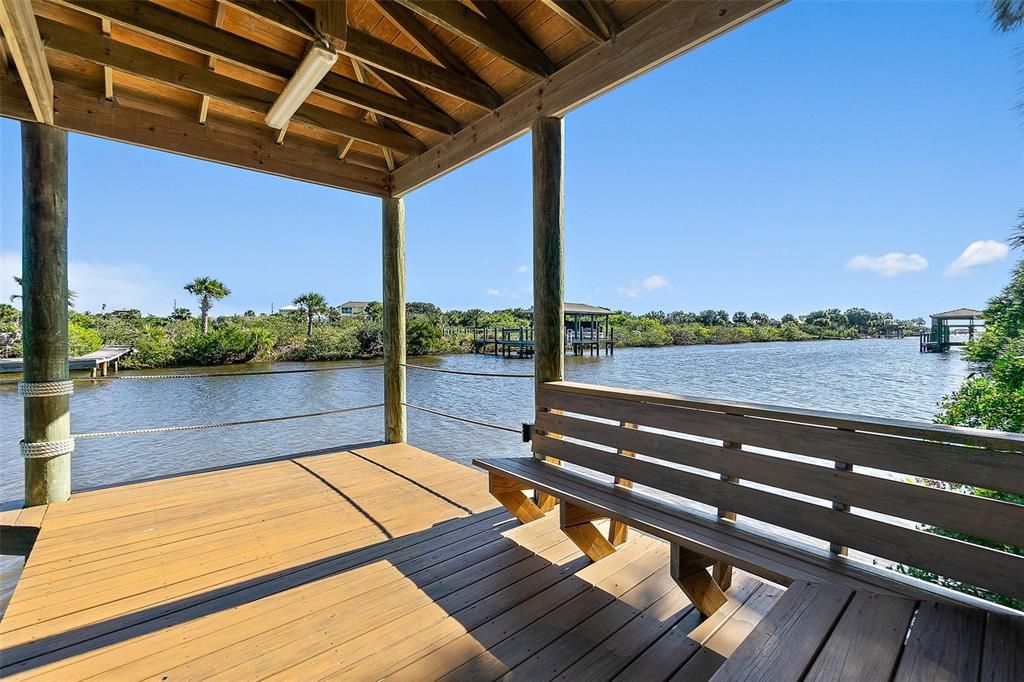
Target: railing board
(997, 440)
(992, 569)
(991, 519)
(985, 468)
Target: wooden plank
(216, 42)
(980, 438)
(1002, 655)
(577, 14)
(384, 56)
(945, 643)
(26, 49)
(911, 452)
(104, 51)
(664, 33)
(411, 27)
(784, 643)
(83, 112)
(462, 21)
(331, 19)
(867, 642)
(993, 569)
(768, 557)
(983, 517)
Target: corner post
(393, 219)
(46, 385)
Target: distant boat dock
(960, 322)
(588, 329)
(99, 363)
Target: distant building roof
(581, 309)
(958, 314)
(354, 304)
(287, 308)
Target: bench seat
(719, 540)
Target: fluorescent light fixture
(314, 66)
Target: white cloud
(493, 292)
(637, 287)
(977, 253)
(119, 285)
(889, 265)
(523, 268)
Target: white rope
(45, 389)
(215, 425)
(463, 419)
(47, 448)
(471, 374)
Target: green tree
(374, 311)
(207, 290)
(312, 305)
(740, 318)
(181, 314)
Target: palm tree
(313, 304)
(208, 290)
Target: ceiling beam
(89, 113)
(602, 14)
(374, 52)
(331, 20)
(413, 29)
(202, 37)
(22, 34)
(666, 32)
(106, 52)
(464, 22)
(576, 13)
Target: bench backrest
(806, 471)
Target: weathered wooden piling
(394, 320)
(46, 388)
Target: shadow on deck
(366, 563)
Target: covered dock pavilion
(380, 560)
(949, 328)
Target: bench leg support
(618, 532)
(689, 570)
(722, 573)
(576, 524)
(510, 494)
(544, 501)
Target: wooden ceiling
(420, 87)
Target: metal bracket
(527, 432)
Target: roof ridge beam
(196, 35)
(485, 34)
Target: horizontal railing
(821, 455)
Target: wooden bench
(840, 480)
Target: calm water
(875, 377)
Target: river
(885, 378)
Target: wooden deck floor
(360, 564)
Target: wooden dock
(98, 363)
(375, 562)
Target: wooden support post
(548, 258)
(689, 570)
(394, 320)
(840, 506)
(618, 532)
(46, 385)
(721, 571)
(576, 524)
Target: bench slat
(936, 459)
(781, 562)
(983, 517)
(992, 569)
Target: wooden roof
(420, 87)
(959, 314)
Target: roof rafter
(464, 22)
(602, 14)
(411, 27)
(26, 47)
(196, 35)
(89, 113)
(666, 32)
(375, 52)
(577, 14)
(104, 51)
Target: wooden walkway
(360, 564)
(96, 362)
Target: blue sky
(771, 170)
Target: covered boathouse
(380, 560)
